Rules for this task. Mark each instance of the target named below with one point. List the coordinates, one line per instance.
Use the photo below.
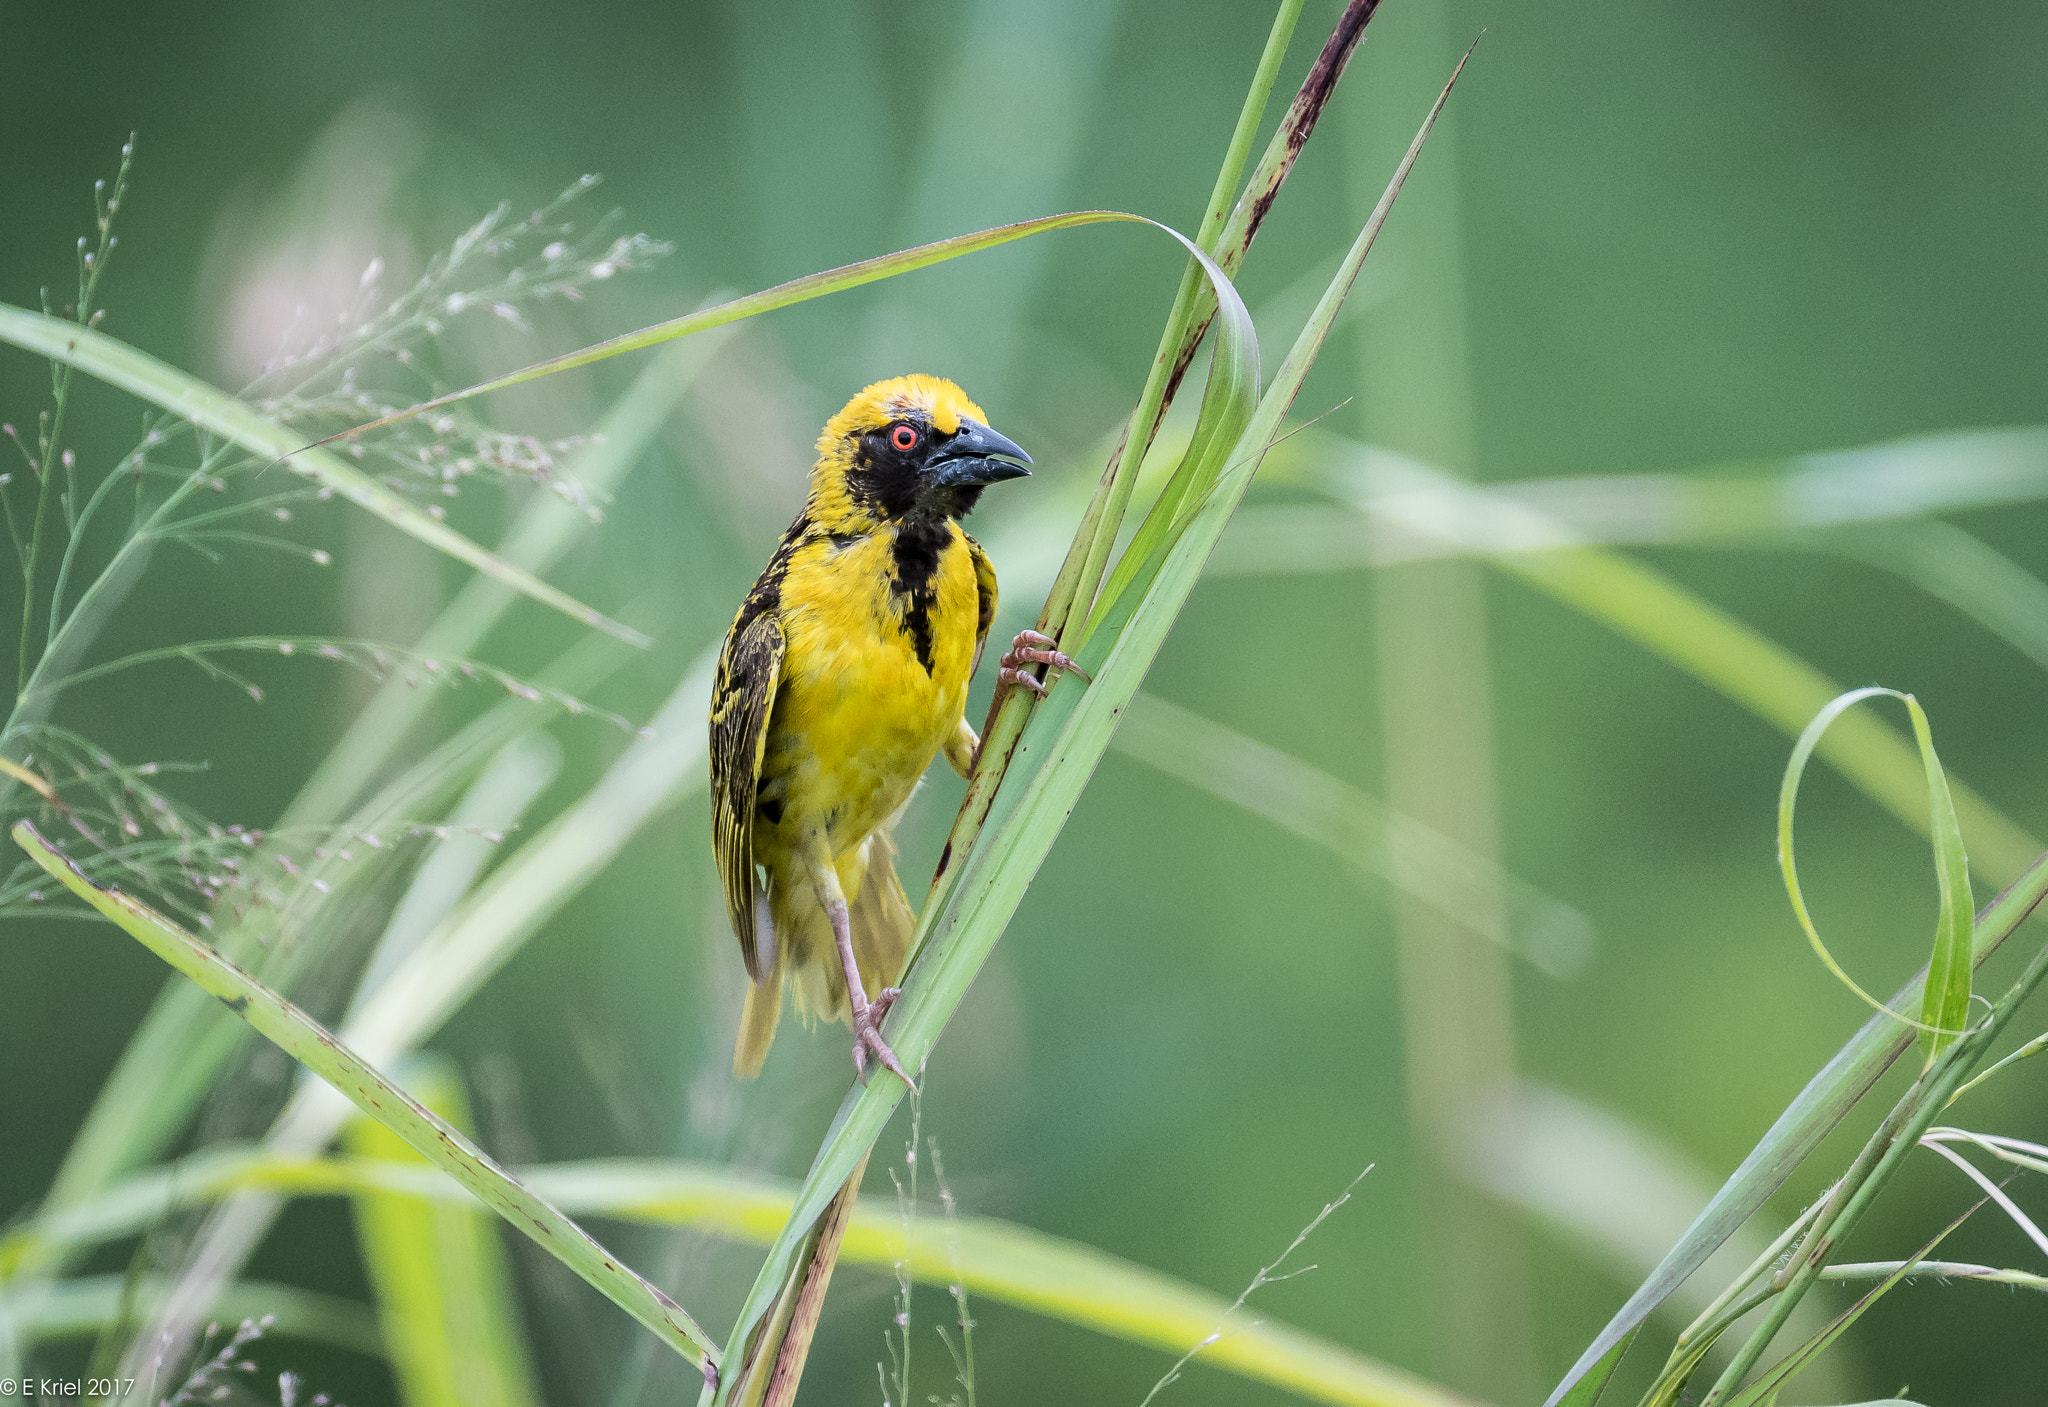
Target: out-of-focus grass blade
(183, 1043)
(1955, 566)
(543, 531)
(957, 934)
(1357, 828)
(783, 295)
(140, 374)
(1060, 1279)
(299, 1036)
(1945, 1004)
(82, 1308)
(175, 1054)
(1657, 613)
(1826, 1100)
(1800, 498)
(443, 968)
(444, 1290)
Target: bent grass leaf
(306, 1041)
(139, 374)
(783, 295)
(1945, 1004)
(1820, 1106)
(958, 931)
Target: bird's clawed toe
(867, 1038)
(1031, 648)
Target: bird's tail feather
(764, 1000)
(880, 921)
(880, 917)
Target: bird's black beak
(975, 456)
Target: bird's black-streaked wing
(985, 581)
(749, 669)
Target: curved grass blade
(1047, 1275)
(138, 373)
(299, 1036)
(1826, 1100)
(783, 295)
(956, 936)
(1945, 1005)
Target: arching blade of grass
(1356, 827)
(1946, 1006)
(445, 1296)
(1826, 1100)
(1961, 569)
(140, 374)
(956, 934)
(1060, 1279)
(783, 295)
(299, 1036)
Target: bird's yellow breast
(862, 710)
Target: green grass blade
(85, 1307)
(1764, 1391)
(957, 936)
(1820, 1106)
(544, 530)
(409, 1002)
(1949, 966)
(1357, 828)
(299, 1036)
(1194, 304)
(162, 1074)
(783, 295)
(185, 1040)
(1050, 1276)
(1945, 1009)
(140, 374)
(1649, 608)
(1586, 1392)
(444, 1289)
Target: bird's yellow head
(910, 447)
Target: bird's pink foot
(867, 1037)
(1031, 648)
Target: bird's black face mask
(907, 468)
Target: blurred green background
(1649, 237)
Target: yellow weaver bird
(844, 674)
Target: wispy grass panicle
(1269, 1274)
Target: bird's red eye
(904, 438)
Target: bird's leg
(1031, 648)
(867, 1016)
